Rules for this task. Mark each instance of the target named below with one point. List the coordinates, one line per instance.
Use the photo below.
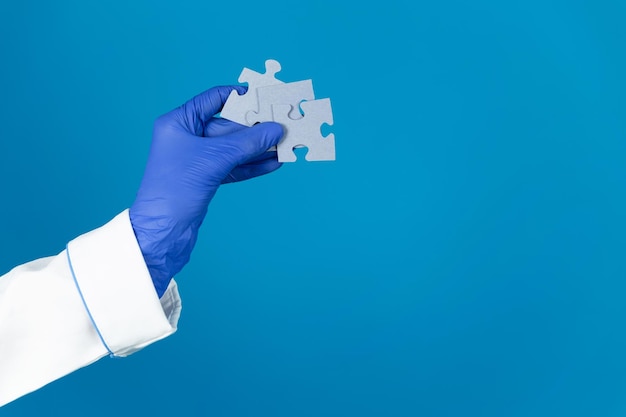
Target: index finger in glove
(205, 105)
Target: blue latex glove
(192, 153)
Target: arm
(111, 291)
(61, 313)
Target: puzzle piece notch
(306, 131)
(288, 93)
(237, 106)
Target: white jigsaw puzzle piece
(306, 131)
(288, 93)
(237, 106)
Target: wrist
(165, 244)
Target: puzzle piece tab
(306, 131)
(237, 106)
(289, 93)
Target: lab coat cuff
(117, 291)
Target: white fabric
(57, 316)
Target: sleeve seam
(80, 293)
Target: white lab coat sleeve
(61, 313)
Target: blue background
(464, 256)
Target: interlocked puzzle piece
(237, 106)
(306, 131)
(269, 99)
(290, 93)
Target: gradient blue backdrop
(464, 256)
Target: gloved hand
(192, 153)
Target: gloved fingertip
(241, 89)
(273, 131)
